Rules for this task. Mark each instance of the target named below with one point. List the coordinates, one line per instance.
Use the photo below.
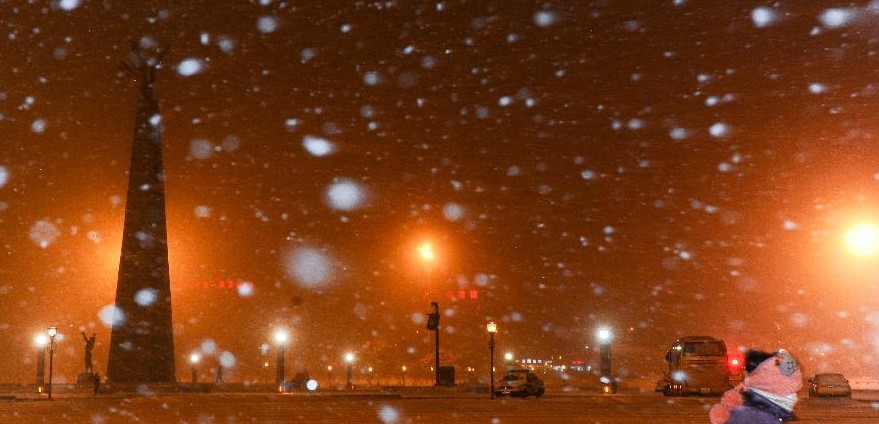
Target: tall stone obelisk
(142, 340)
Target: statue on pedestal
(87, 376)
(89, 346)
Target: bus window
(704, 349)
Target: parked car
(520, 382)
(299, 382)
(829, 384)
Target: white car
(520, 382)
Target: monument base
(85, 379)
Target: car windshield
(704, 349)
(830, 379)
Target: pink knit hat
(779, 374)
(776, 373)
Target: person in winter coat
(767, 395)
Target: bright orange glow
(863, 239)
(426, 251)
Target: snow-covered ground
(375, 407)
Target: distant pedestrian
(219, 378)
(96, 380)
(767, 395)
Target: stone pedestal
(85, 379)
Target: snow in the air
(190, 66)
(68, 4)
(145, 297)
(837, 17)
(317, 146)
(763, 16)
(345, 194)
(267, 24)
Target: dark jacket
(757, 409)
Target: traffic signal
(433, 321)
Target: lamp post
(52, 331)
(403, 376)
(492, 329)
(428, 255)
(193, 368)
(349, 361)
(329, 375)
(40, 342)
(281, 339)
(508, 360)
(608, 385)
(433, 325)
(604, 338)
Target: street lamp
(193, 367)
(329, 375)
(492, 329)
(52, 331)
(604, 338)
(428, 255)
(40, 342)
(508, 359)
(863, 239)
(403, 376)
(433, 319)
(426, 251)
(281, 339)
(349, 361)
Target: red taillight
(735, 365)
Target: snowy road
(336, 408)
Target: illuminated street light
(40, 343)
(863, 239)
(426, 251)
(193, 367)
(492, 329)
(605, 336)
(349, 362)
(52, 332)
(329, 375)
(403, 376)
(281, 338)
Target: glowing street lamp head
(508, 356)
(491, 327)
(349, 357)
(194, 358)
(52, 331)
(604, 335)
(863, 239)
(41, 340)
(281, 336)
(426, 251)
